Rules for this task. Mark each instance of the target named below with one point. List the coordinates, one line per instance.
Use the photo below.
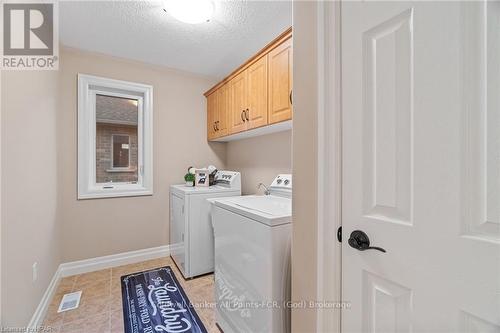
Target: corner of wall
(305, 155)
(29, 199)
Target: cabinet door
(256, 114)
(211, 115)
(238, 86)
(223, 109)
(280, 83)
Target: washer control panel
(283, 181)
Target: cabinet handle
(217, 125)
(290, 97)
(243, 115)
(247, 112)
(215, 128)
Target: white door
(421, 166)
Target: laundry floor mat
(154, 301)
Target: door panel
(421, 113)
(211, 115)
(388, 111)
(280, 82)
(388, 305)
(480, 48)
(223, 108)
(238, 102)
(257, 93)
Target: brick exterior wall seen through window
(104, 162)
(115, 116)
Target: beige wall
(100, 227)
(260, 159)
(30, 231)
(305, 152)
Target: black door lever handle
(360, 241)
(373, 248)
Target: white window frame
(88, 87)
(112, 167)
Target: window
(114, 138)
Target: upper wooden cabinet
(223, 107)
(280, 83)
(211, 116)
(218, 103)
(238, 87)
(255, 95)
(249, 97)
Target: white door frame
(329, 164)
(1, 198)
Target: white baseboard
(125, 258)
(90, 265)
(41, 310)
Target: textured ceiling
(141, 30)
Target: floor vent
(70, 301)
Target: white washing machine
(191, 233)
(252, 259)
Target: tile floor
(100, 309)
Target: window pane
(116, 140)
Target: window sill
(121, 170)
(115, 193)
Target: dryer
(191, 232)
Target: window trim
(88, 87)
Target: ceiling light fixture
(190, 11)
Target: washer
(252, 259)
(191, 233)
